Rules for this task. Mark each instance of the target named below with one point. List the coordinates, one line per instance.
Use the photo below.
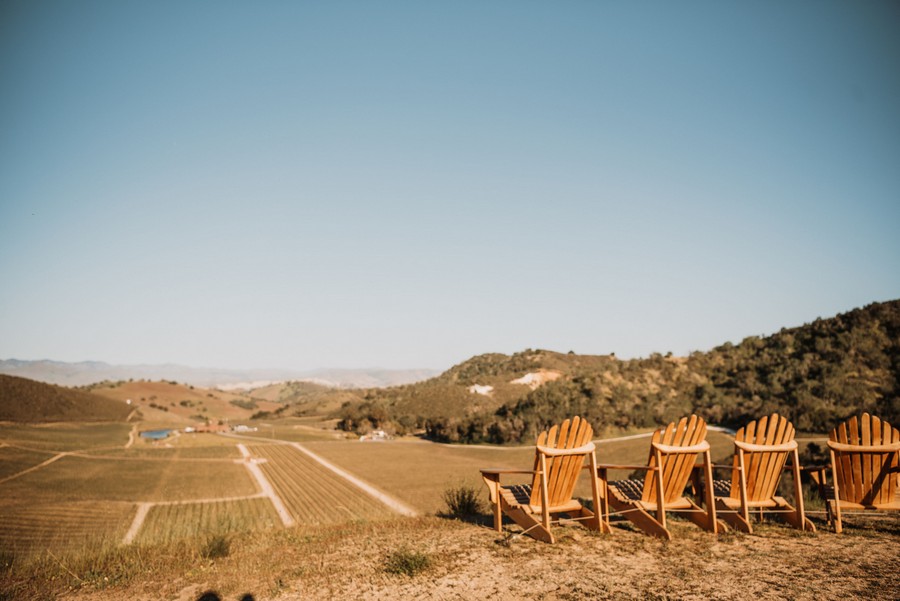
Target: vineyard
(14, 460)
(81, 478)
(197, 486)
(32, 527)
(312, 493)
(172, 521)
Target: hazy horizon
(337, 368)
(349, 185)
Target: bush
(216, 546)
(462, 501)
(406, 562)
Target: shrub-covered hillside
(815, 374)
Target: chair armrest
(491, 477)
(718, 466)
(818, 474)
(813, 468)
(609, 466)
(500, 470)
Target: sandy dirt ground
(471, 561)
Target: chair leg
(493, 483)
(713, 523)
(705, 519)
(640, 518)
(800, 522)
(732, 517)
(793, 516)
(835, 505)
(835, 508)
(603, 492)
(532, 526)
(596, 521)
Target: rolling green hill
(27, 401)
(816, 374)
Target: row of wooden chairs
(865, 467)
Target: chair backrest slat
(866, 478)
(556, 465)
(763, 468)
(676, 468)
(579, 435)
(866, 464)
(562, 472)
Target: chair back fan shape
(676, 468)
(674, 450)
(867, 475)
(562, 470)
(865, 468)
(762, 448)
(763, 468)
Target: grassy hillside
(182, 404)
(27, 401)
(301, 398)
(816, 374)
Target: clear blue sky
(408, 184)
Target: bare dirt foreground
(469, 561)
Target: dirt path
(35, 467)
(391, 502)
(142, 510)
(252, 465)
(131, 436)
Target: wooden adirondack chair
(865, 467)
(761, 451)
(559, 458)
(673, 453)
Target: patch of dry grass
(466, 561)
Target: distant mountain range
(89, 372)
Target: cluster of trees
(816, 375)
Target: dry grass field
(62, 528)
(172, 522)
(39, 526)
(312, 494)
(453, 560)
